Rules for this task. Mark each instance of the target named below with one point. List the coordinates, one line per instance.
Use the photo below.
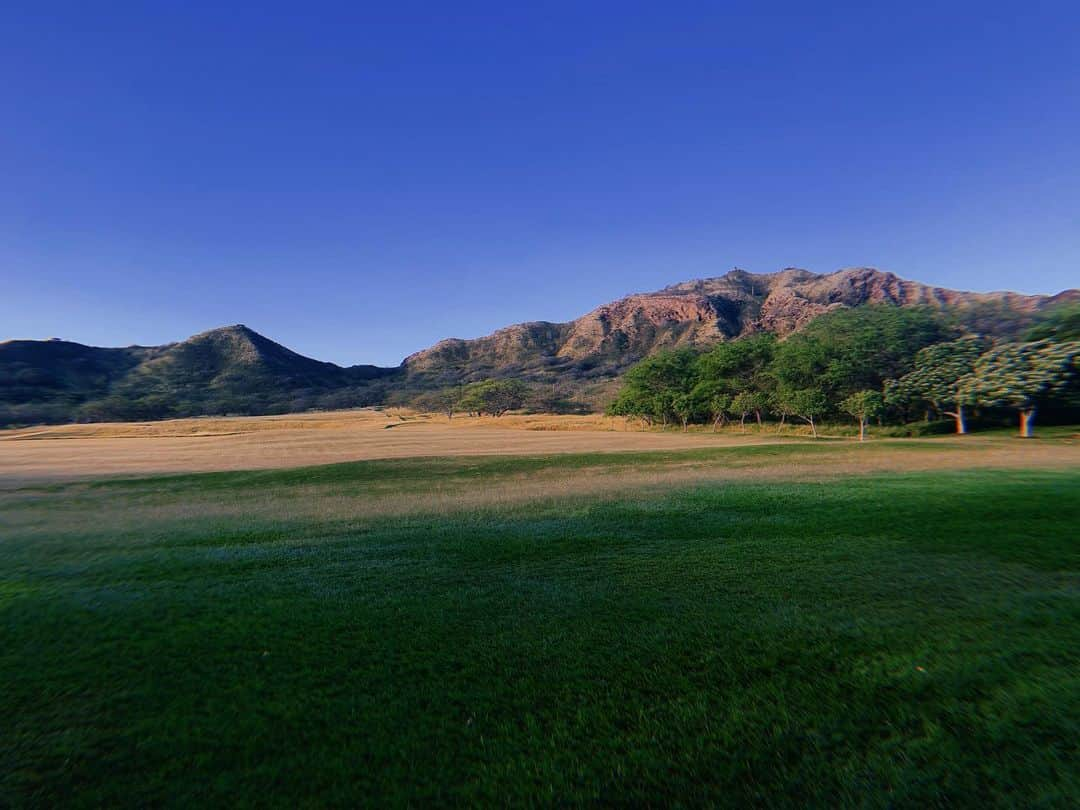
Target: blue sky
(359, 180)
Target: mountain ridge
(702, 311)
(236, 369)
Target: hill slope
(228, 370)
(235, 370)
(591, 351)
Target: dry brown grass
(239, 443)
(123, 509)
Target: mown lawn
(875, 641)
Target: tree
(739, 365)
(936, 378)
(807, 404)
(508, 395)
(445, 400)
(710, 398)
(863, 405)
(628, 403)
(759, 402)
(780, 404)
(1022, 375)
(718, 408)
(472, 399)
(851, 350)
(494, 397)
(683, 405)
(747, 402)
(651, 386)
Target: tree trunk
(716, 422)
(780, 427)
(862, 429)
(684, 425)
(758, 415)
(1027, 418)
(958, 415)
(742, 423)
(813, 429)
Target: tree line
(870, 363)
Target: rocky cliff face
(697, 313)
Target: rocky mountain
(236, 370)
(601, 344)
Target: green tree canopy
(739, 365)
(1022, 376)
(936, 378)
(806, 403)
(651, 386)
(710, 398)
(494, 397)
(851, 350)
(748, 402)
(863, 405)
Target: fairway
(787, 624)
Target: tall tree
(1022, 376)
(936, 378)
(651, 386)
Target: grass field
(781, 624)
(66, 452)
(239, 443)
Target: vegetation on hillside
(232, 371)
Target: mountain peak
(237, 330)
(697, 312)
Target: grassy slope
(904, 639)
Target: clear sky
(358, 180)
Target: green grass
(876, 641)
(420, 473)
